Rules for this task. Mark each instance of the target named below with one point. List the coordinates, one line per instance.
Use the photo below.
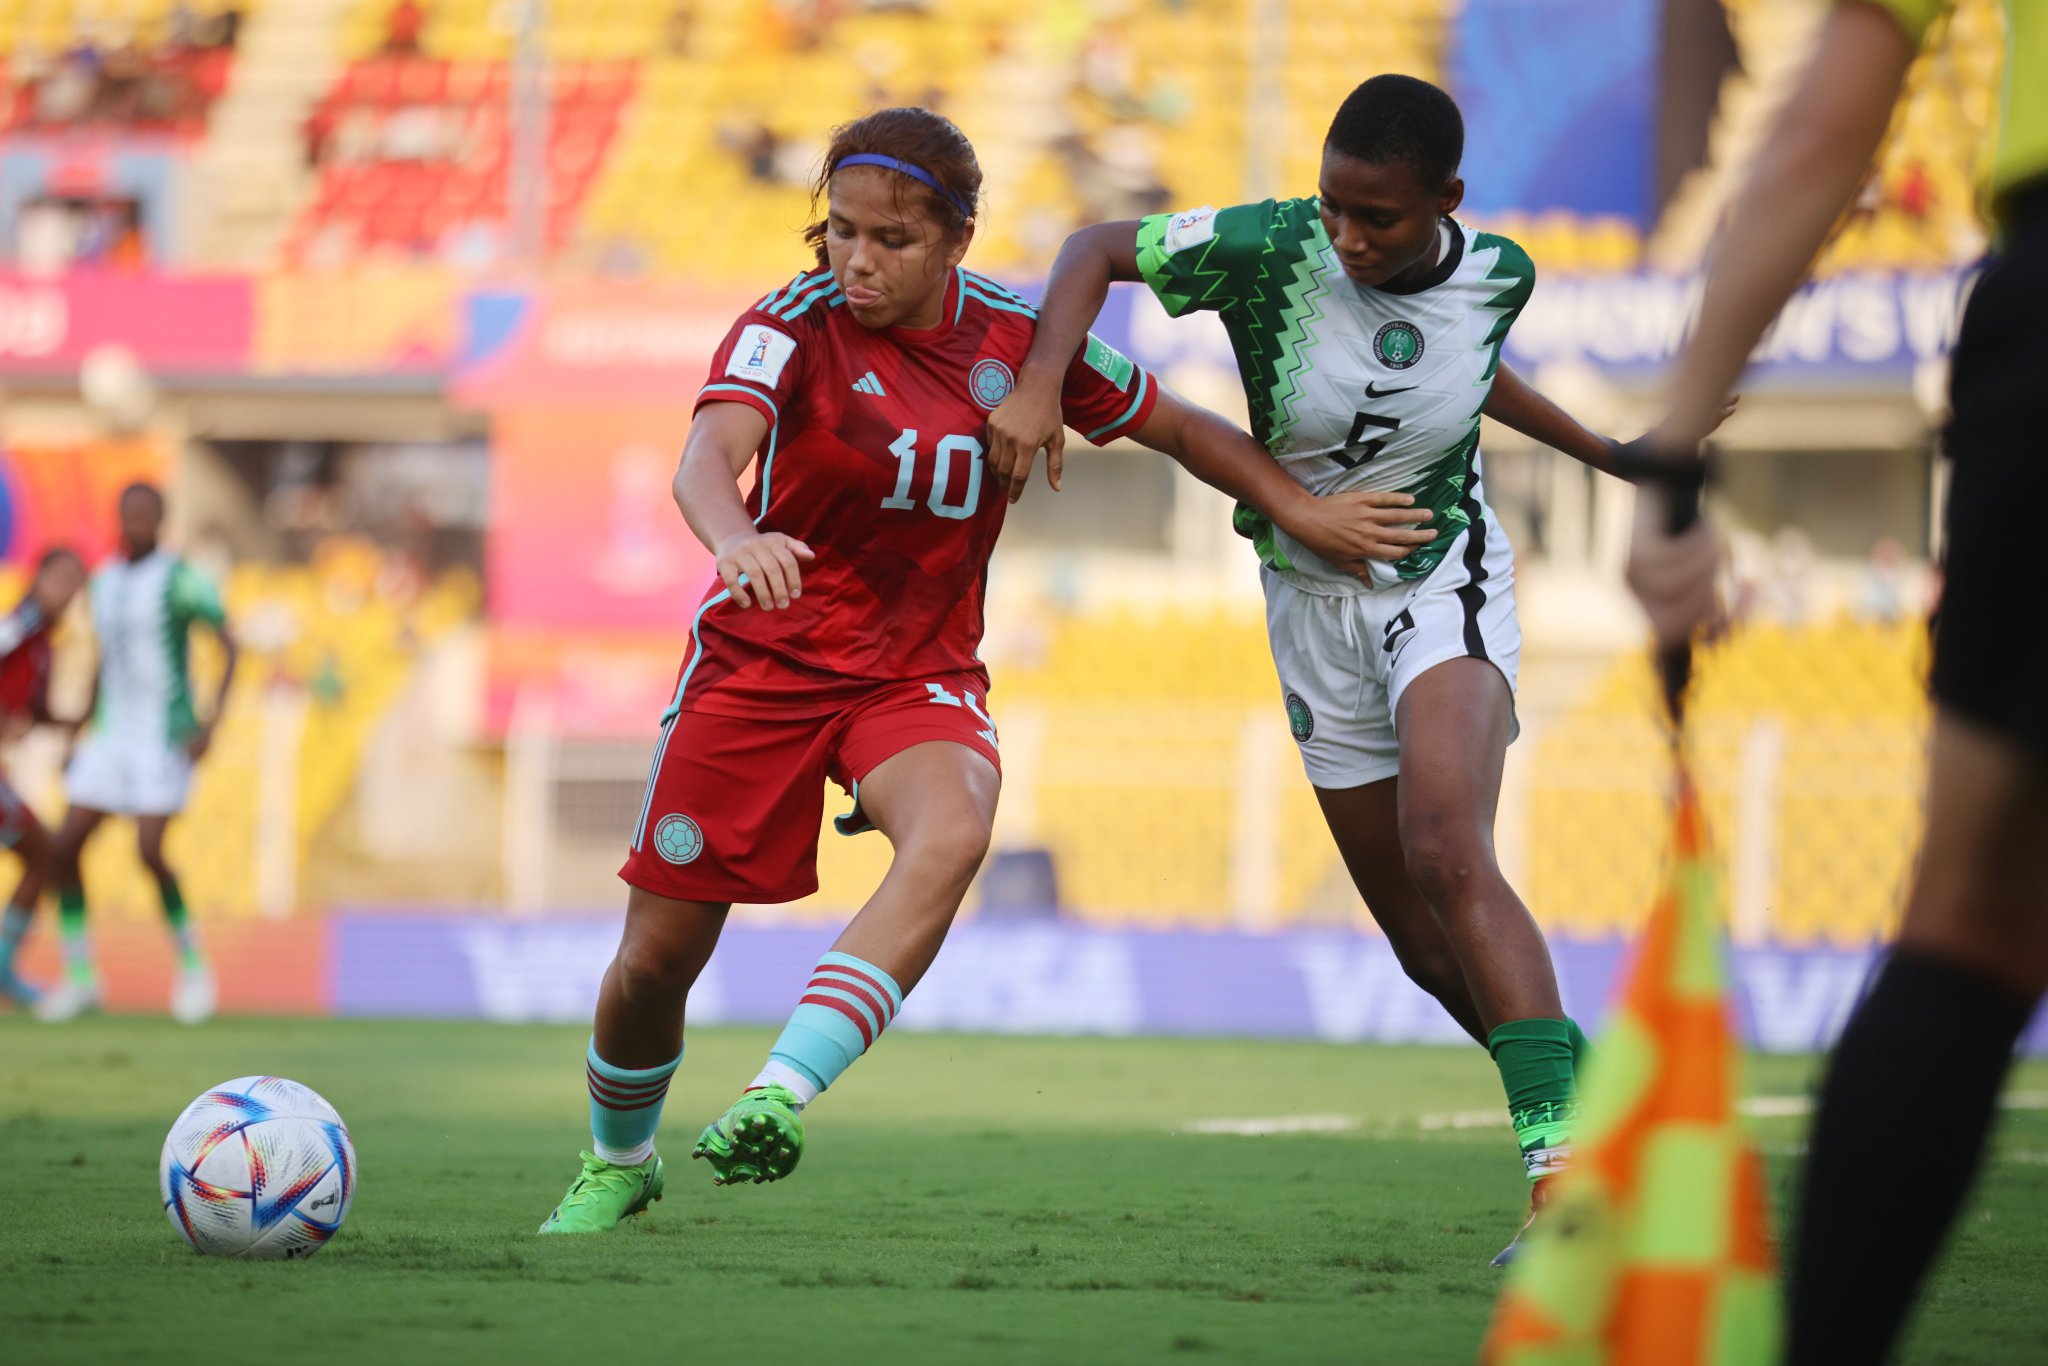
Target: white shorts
(124, 777)
(1345, 660)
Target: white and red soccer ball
(258, 1167)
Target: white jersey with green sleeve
(1348, 387)
(142, 612)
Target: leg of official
(936, 803)
(1454, 722)
(1913, 1086)
(1365, 822)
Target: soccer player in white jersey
(140, 743)
(1367, 323)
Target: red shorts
(733, 806)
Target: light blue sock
(847, 1005)
(625, 1107)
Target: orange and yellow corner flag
(1655, 1248)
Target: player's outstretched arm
(1029, 419)
(1517, 406)
(1346, 529)
(759, 567)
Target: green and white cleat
(760, 1138)
(605, 1196)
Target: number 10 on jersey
(904, 448)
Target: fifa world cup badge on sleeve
(1189, 229)
(760, 355)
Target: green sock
(1582, 1047)
(1535, 1062)
(71, 922)
(182, 930)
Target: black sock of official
(1904, 1114)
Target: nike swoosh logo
(1371, 392)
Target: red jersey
(24, 660)
(874, 458)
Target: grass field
(962, 1199)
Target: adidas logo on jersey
(868, 384)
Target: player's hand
(760, 569)
(201, 741)
(1028, 420)
(1348, 529)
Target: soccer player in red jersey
(24, 701)
(841, 639)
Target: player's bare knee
(949, 850)
(654, 967)
(1443, 861)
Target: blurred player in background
(842, 639)
(1914, 1082)
(24, 702)
(1367, 324)
(140, 742)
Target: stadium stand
(142, 65)
(1919, 209)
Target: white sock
(623, 1157)
(796, 1083)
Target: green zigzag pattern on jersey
(1214, 292)
(1273, 328)
(1443, 484)
(1516, 274)
(1300, 313)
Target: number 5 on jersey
(904, 448)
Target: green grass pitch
(962, 1199)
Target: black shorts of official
(1991, 631)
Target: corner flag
(1655, 1249)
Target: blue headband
(915, 172)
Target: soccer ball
(257, 1167)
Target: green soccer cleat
(605, 1196)
(759, 1139)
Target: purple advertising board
(1042, 978)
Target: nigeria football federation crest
(1300, 720)
(678, 838)
(1398, 345)
(989, 383)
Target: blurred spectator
(224, 30)
(58, 233)
(1119, 179)
(182, 27)
(1882, 597)
(1786, 594)
(679, 28)
(66, 95)
(1913, 193)
(402, 27)
(113, 77)
(757, 146)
